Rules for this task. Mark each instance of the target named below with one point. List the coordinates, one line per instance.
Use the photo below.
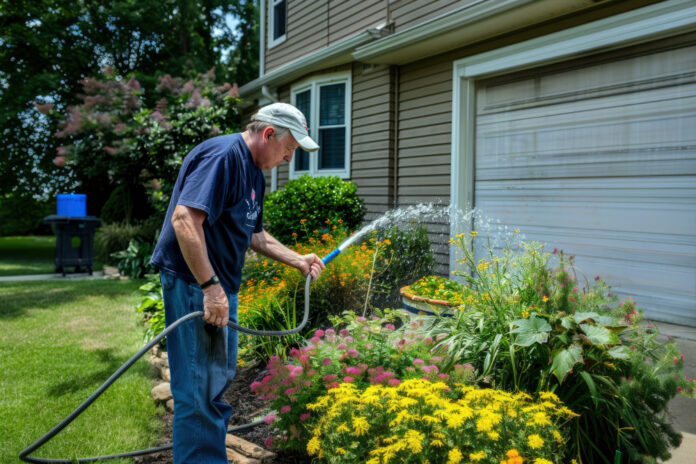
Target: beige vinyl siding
(371, 140)
(349, 17)
(409, 13)
(306, 32)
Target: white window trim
(313, 84)
(642, 25)
(271, 24)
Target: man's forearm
(188, 226)
(264, 243)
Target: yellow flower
(493, 435)
(542, 461)
(512, 453)
(313, 446)
(540, 418)
(525, 314)
(343, 428)
(535, 441)
(341, 451)
(360, 426)
(557, 436)
(477, 456)
(454, 456)
(414, 440)
(545, 298)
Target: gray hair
(257, 126)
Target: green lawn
(60, 340)
(31, 254)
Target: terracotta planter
(423, 306)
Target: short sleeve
(205, 186)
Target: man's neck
(251, 143)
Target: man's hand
(216, 308)
(311, 264)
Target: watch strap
(212, 281)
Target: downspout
(274, 172)
(395, 180)
(262, 38)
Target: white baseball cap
(285, 115)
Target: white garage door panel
(601, 163)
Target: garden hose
(24, 455)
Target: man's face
(274, 150)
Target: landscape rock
(170, 405)
(237, 458)
(248, 449)
(162, 392)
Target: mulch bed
(246, 406)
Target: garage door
(598, 158)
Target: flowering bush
(356, 350)
(437, 288)
(421, 421)
(527, 325)
(273, 294)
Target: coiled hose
(24, 455)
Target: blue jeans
(202, 362)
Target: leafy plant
(304, 205)
(152, 308)
(526, 325)
(134, 261)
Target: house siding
(408, 13)
(345, 18)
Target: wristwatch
(212, 281)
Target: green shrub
(134, 261)
(111, 238)
(305, 204)
(23, 215)
(152, 308)
(126, 204)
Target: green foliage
(23, 215)
(305, 204)
(134, 261)
(152, 308)
(527, 325)
(111, 238)
(124, 204)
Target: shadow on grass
(92, 380)
(19, 297)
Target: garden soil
(246, 407)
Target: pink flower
(290, 391)
(361, 319)
(333, 385)
(271, 396)
(315, 340)
(305, 416)
(326, 361)
(348, 379)
(329, 378)
(390, 327)
(255, 385)
(344, 332)
(285, 409)
(394, 382)
(307, 383)
(268, 442)
(353, 353)
(342, 346)
(319, 333)
(443, 376)
(418, 361)
(352, 370)
(330, 332)
(59, 161)
(269, 419)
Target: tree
(47, 48)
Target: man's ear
(268, 132)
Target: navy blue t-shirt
(218, 177)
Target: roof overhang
(334, 55)
(471, 23)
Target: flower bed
(432, 295)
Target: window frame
(272, 42)
(314, 84)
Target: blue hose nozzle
(328, 258)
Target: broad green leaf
(607, 321)
(564, 360)
(583, 316)
(567, 322)
(599, 335)
(532, 330)
(620, 352)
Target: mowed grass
(59, 341)
(27, 255)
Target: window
(278, 22)
(325, 102)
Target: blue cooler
(71, 204)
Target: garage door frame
(643, 25)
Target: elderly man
(214, 216)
